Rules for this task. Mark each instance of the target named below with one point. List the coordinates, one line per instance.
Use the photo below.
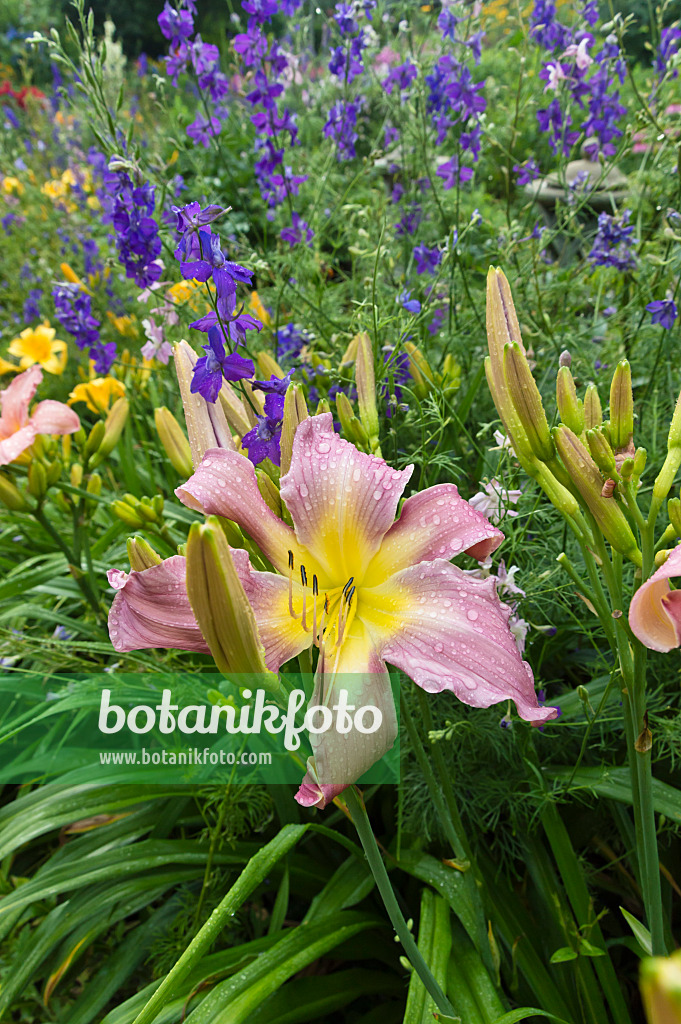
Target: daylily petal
(449, 631)
(655, 610)
(11, 447)
(339, 759)
(435, 523)
(51, 417)
(342, 501)
(225, 485)
(15, 400)
(282, 636)
(151, 609)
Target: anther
(303, 580)
(347, 585)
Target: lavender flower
(613, 242)
(216, 365)
(299, 233)
(663, 312)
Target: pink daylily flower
(18, 429)
(365, 588)
(655, 610)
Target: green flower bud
(94, 440)
(269, 491)
(585, 475)
(11, 497)
(674, 512)
(37, 480)
(527, 402)
(174, 441)
(127, 514)
(621, 406)
(141, 554)
(593, 414)
(602, 453)
(661, 988)
(570, 407)
(295, 411)
(113, 428)
(220, 605)
(352, 426)
(366, 389)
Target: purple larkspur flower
(218, 365)
(411, 305)
(612, 246)
(663, 312)
(263, 441)
(452, 174)
(526, 172)
(299, 233)
(427, 260)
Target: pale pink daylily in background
(18, 428)
(364, 588)
(655, 610)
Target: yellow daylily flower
(125, 325)
(258, 309)
(39, 345)
(12, 185)
(98, 394)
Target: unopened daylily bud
(37, 480)
(95, 438)
(661, 988)
(94, 485)
(11, 497)
(621, 406)
(366, 388)
(670, 467)
(141, 554)
(234, 412)
(322, 407)
(564, 359)
(269, 491)
(451, 374)
(235, 537)
(175, 444)
(66, 444)
(220, 605)
(674, 512)
(128, 515)
(627, 468)
(76, 474)
(558, 495)
(268, 366)
(570, 407)
(207, 425)
(53, 471)
(351, 425)
(420, 370)
(584, 473)
(295, 411)
(113, 428)
(593, 414)
(527, 401)
(509, 417)
(640, 459)
(350, 354)
(602, 453)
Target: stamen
(319, 636)
(315, 591)
(303, 580)
(290, 586)
(348, 584)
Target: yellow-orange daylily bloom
(258, 309)
(98, 394)
(39, 345)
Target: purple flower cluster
(669, 45)
(612, 246)
(137, 238)
(276, 126)
(588, 83)
(289, 342)
(347, 65)
(73, 310)
(200, 59)
(397, 376)
(202, 259)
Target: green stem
(81, 582)
(361, 822)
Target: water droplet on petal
(472, 614)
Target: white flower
(503, 443)
(505, 581)
(582, 58)
(556, 73)
(494, 501)
(519, 629)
